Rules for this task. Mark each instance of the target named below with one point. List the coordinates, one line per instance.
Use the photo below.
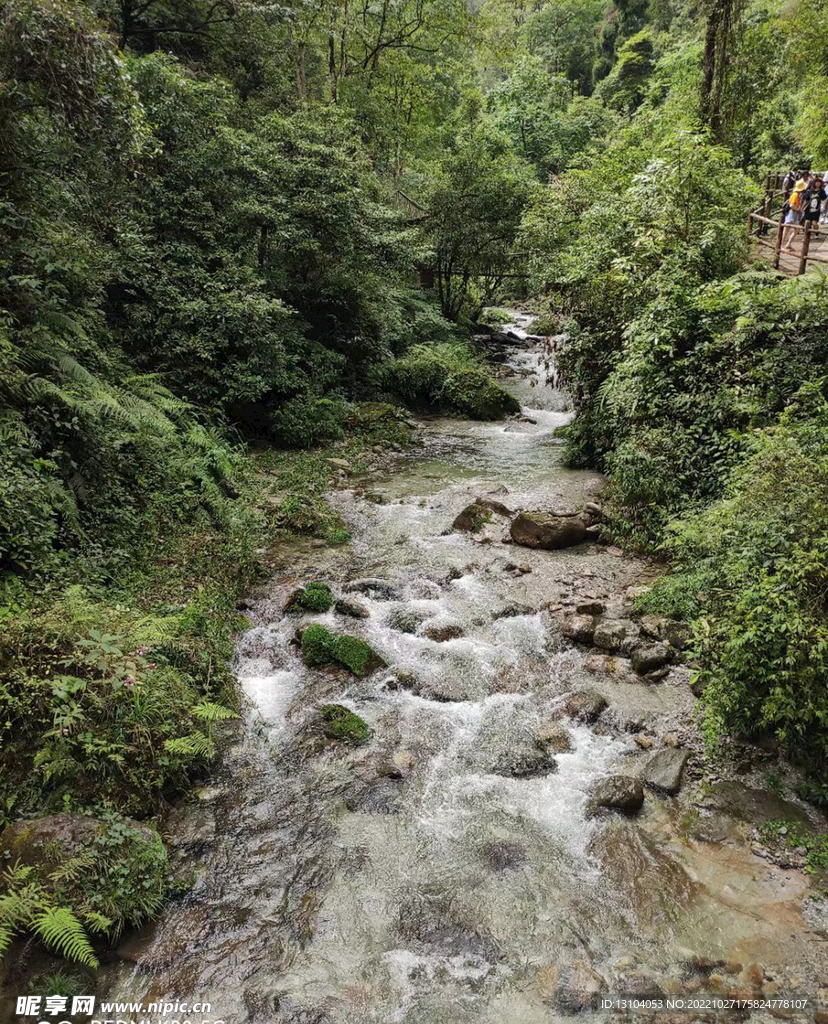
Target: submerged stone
(504, 856)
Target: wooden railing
(767, 228)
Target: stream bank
(444, 871)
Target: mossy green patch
(321, 647)
(341, 724)
(314, 597)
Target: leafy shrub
(760, 553)
(112, 873)
(449, 378)
(302, 422)
(342, 724)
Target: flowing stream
(414, 879)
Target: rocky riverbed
(523, 823)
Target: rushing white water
(416, 879)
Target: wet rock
(589, 607)
(314, 597)
(756, 806)
(406, 620)
(664, 769)
(339, 465)
(649, 657)
(655, 885)
(340, 723)
(553, 738)
(593, 509)
(639, 983)
(491, 505)
(447, 689)
(579, 988)
(440, 634)
(645, 742)
(677, 634)
(618, 792)
(525, 762)
(353, 609)
(159, 946)
(441, 925)
(613, 635)
(513, 610)
(472, 518)
(517, 570)
(579, 628)
(381, 797)
(585, 705)
(190, 827)
(373, 586)
(546, 531)
(504, 856)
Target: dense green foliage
(212, 219)
(341, 724)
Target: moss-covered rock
(474, 393)
(338, 723)
(313, 597)
(321, 647)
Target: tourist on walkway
(793, 216)
(789, 181)
(812, 199)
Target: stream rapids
(411, 880)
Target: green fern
(210, 712)
(194, 745)
(60, 929)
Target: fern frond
(60, 929)
(194, 745)
(207, 711)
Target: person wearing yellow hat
(794, 212)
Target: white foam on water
(271, 694)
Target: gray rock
(382, 589)
(579, 628)
(677, 634)
(549, 532)
(553, 737)
(664, 769)
(406, 620)
(590, 607)
(756, 806)
(585, 705)
(340, 465)
(649, 657)
(354, 609)
(436, 924)
(619, 792)
(441, 633)
(613, 634)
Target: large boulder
(618, 792)
(664, 769)
(547, 531)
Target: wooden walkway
(808, 246)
